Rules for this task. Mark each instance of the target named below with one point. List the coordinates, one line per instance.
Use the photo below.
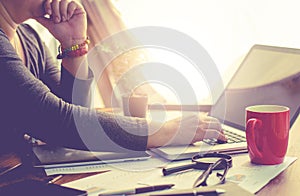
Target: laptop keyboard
(231, 138)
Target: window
(226, 29)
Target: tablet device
(52, 156)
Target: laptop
(267, 75)
(47, 156)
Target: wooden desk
(25, 172)
(287, 183)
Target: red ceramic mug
(267, 133)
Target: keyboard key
(231, 138)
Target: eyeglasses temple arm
(171, 170)
(203, 177)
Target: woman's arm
(61, 82)
(28, 106)
(42, 65)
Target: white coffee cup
(135, 105)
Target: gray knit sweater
(37, 99)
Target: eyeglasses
(202, 180)
(208, 162)
(201, 162)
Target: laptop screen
(267, 75)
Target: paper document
(111, 181)
(141, 165)
(254, 177)
(248, 176)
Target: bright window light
(226, 29)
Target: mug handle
(253, 123)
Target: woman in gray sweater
(36, 96)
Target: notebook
(267, 75)
(53, 157)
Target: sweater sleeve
(28, 106)
(60, 81)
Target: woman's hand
(67, 21)
(68, 24)
(184, 130)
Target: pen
(55, 179)
(139, 190)
(10, 169)
(192, 192)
